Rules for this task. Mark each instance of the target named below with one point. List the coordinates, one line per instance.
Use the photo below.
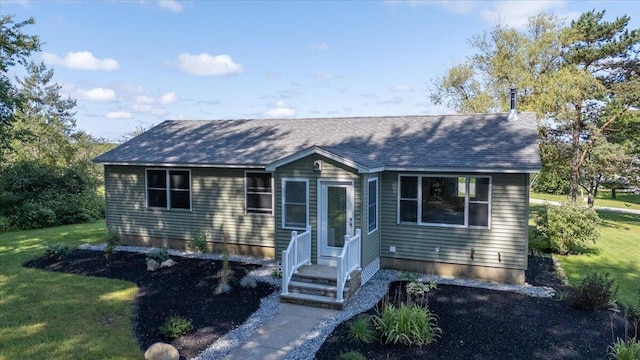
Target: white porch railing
(298, 253)
(348, 261)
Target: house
(443, 194)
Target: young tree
(45, 122)
(579, 79)
(15, 48)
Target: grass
(622, 200)
(46, 315)
(617, 252)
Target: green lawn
(622, 200)
(45, 315)
(617, 252)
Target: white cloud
(281, 110)
(514, 13)
(402, 88)
(82, 60)
(517, 13)
(323, 75)
(98, 94)
(144, 100)
(171, 5)
(321, 47)
(168, 98)
(119, 115)
(207, 65)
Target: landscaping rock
(85, 246)
(161, 351)
(152, 265)
(168, 263)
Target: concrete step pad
(312, 300)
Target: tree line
(582, 80)
(46, 174)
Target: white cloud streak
(171, 5)
(207, 65)
(98, 94)
(168, 98)
(81, 60)
(281, 110)
(119, 115)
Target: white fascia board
(319, 151)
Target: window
(258, 193)
(462, 201)
(295, 203)
(373, 205)
(169, 189)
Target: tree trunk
(613, 193)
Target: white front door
(335, 219)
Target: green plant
(595, 292)
(198, 243)
(276, 274)
(406, 324)
(569, 227)
(113, 240)
(360, 329)
(57, 251)
(408, 276)
(248, 282)
(225, 272)
(160, 255)
(175, 326)
(625, 350)
(417, 288)
(351, 355)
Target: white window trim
(466, 204)
(167, 189)
(375, 178)
(284, 189)
(273, 191)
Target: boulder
(85, 246)
(161, 351)
(152, 265)
(168, 263)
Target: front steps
(315, 285)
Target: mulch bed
(186, 289)
(487, 324)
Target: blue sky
(137, 63)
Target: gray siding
(303, 168)
(217, 200)
(504, 245)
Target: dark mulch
(186, 289)
(486, 324)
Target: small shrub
(360, 329)
(406, 324)
(198, 243)
(417, 288)
(351, 355)
(113, 240)
(569, 228)
(57, 251)
(175, 326)
(633, 316)
(248, 282)
(159, 255)
(223, 288)
(408, 276)
(625, 350)
(595, 292)
(277, 274)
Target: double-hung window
(168, 189)
(295, 203)
(258, 193)
(372, 205)
(459, 201)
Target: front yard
(45, 315)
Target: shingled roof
(477, 142)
